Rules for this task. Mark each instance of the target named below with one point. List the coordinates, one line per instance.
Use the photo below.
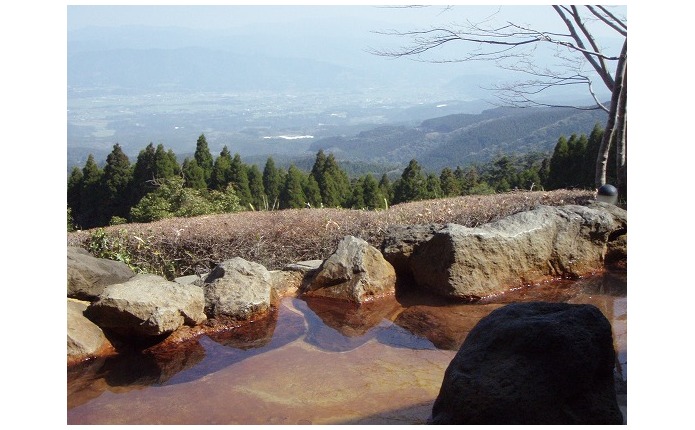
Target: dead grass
(184, 246)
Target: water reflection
(338, 326)
(413, 330)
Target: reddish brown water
(314, 362)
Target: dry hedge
(183, 246)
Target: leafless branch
(615, 23)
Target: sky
(222, 16)
(34, 100)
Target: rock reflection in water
(231, 346)
(339, 326)
(314, 362)
(129, 371)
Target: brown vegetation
(184, 246)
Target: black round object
(607, 190)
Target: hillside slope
(463, 139)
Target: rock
(401, 241)
(147, 305)
(196, 280)
(527, 247)
(293, 277)
(286, 283)
(532, 363)
(238, 289)
(88, 275)
(356, 272)
(85, 339)
(306, 266)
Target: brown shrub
(184, 246)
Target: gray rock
(88, 275)
(237, 288)
(469, 263)
(196, 280)
(356, 272)
(304, 266)
(532, 363)
(85, 339)
(401, 241)
(147, 305)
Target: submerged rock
(532, 363)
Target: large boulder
(88, 275)
(527, 247)
(85, 339)
(237, 289)
(532, 363)
(356, 272)
(147, 305)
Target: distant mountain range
(463, 139)
(137, 84)
(447, 141)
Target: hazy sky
(220, 16)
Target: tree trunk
(617, 111)
(621, 141)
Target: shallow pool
(314, 362)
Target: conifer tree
(544, 171)
(589, 162)
(335, 184)
(433, 188)
(165, 163)
(272, 182)
(221, 170)
(356, 200)
(143, 174)
(412, 184)
(502, 174)
(116, 182)
(240, 181)
(74, 200)
(292, 193)
(258, 197)
(317, 170)
(470, 180)
(311, 191)
(203, 157)
(193, 175)
(371, 192)
(386, 187)
(558, 165)
(449, 184)
(92, 194)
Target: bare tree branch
(615, 23)
(607, 79)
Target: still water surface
(313, 362)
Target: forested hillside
(157, 186)
(465, 139)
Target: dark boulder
(533, 363)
